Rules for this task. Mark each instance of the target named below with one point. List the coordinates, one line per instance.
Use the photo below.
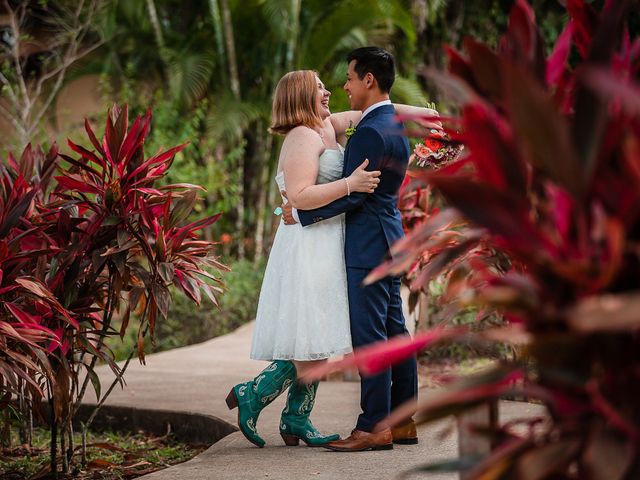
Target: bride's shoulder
(304, 134)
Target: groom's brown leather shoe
(360, 441)
(406, 434)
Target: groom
(373, 224)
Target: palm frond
(408, 91)
(320, 41)
(189, 75)
(278, 16)
(228, 117)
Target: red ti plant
(106, 240)
(550, 178)
(25, 338)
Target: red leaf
(544, 131)
(610, 85)
(92, 136)
(57, 342)
(486, 67)
(373, 359)
(121, 124)
(557, 61)
(157, 159)
(41, 291)
(107, 153)
(506, 215)
(133, 140)
(606, 313)
(468, 391)
(85, 153)
(111, 141)
(181, 234)
(521, 30)
(584, 22)
(460, 66)
(492, 149)
(81, 165)
(150, 191)
(78, 185)
(21, 315)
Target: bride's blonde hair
(295, 102)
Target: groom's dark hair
(378, 62)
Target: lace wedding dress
(303, 312)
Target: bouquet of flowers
(437, 150)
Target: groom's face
(355, 87)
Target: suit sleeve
(365, 143)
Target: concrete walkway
(197, 378)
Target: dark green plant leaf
(166, 271)
(95, 381)
(183, 207)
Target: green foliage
(463, 316)
(204, 161)
(188, 324)
(239, 303)
(112, 456)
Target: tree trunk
(231, 49)
(292, 42)
(218, 29)
(232, 63)
(54, 439)
(264, 210)
(22, 407)
(63, 450)
(157, 28)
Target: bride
(303, 313)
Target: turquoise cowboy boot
(252, 396)
(294, 422)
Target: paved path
(197, 379)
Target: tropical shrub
(97, 240)
(429, 280)
(550, 179)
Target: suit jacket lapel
(364, 121)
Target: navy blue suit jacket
(373, 221)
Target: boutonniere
(350, 130)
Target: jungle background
(207, 69)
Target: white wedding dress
(303, 312)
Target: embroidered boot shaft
(295, 424)
(252, 396)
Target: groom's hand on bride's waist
(289, 214)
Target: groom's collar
(373, 107)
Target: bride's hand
(362, 181)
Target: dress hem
(315, 356)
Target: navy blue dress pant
(376, 315)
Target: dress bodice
(330, 165)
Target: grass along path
(110, 456)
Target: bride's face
(323, 99)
